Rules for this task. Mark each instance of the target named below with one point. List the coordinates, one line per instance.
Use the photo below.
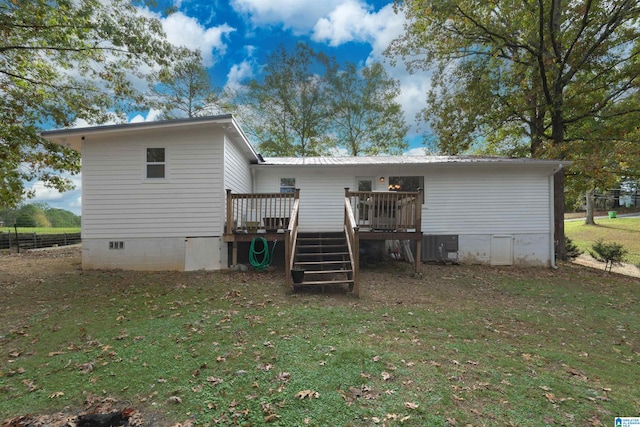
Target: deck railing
(270, 212)
(290, 241)
(386, 211)
(353, 241)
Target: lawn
(469, 345)
(625, 231)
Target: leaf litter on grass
(476, 347)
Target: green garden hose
(266, 255)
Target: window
(287, 185)
(156, 163)
(406, 183)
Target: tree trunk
(590, 208)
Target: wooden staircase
(325, 260)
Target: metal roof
(403, 160)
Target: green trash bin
(612, 214)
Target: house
(187, 194)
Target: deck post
(418, 220)
(234, 253)
(287, 258)
(229, 228)
(356, 261)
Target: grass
(472, 345)
(625, 231)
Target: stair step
(327, 271)
(322, 254)
(324, 282)
(344, 261)
(320, 246)
(336, 238)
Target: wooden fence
(33, 240)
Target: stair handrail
(353, 240)
(291, 238)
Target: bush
(609, 253)
(572, 251)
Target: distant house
(185, 194)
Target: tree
(366, 117)
(291, 110)
(549, 65)
(183, 89)
(63, 61)
(62, 218)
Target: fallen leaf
(214, 380)
(56, 395)
(310, 394)
(270, 418)
(386, 376)
(576, 373)
(550, 397)
(283, 376)
(411, 405)
(174, 399)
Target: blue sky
(235, 36)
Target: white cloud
(355, 21)
(417, 151)
(183, 30)
(349, 21)
(299, 15)
(77, 203)
(239, 73)
(45, 194)
(82, 123)
(152, 115)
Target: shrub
(572, 251)
(609, 253)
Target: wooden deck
(368, 215)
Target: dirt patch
(96, 412)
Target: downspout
(252, 171)
(552, 222)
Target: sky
(235, 37)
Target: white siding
(468, 201)
(458, 200)
(321, 193)
(473, 202)
(237, 174)
(118, 202)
